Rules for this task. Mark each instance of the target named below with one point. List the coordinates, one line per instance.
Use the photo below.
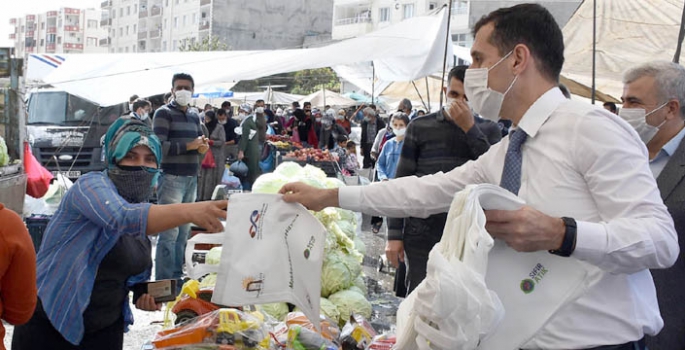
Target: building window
(184, 20)
(175, 22)
(460, 7)
(135, 8)
(164, 45)
(432, 6)
(59, 40)
(121, 12)
(114, 32)
(42, 26)
(42, 42)
(126, 49)
(114, 13)
(135, 28)
(408, 11)
(463, 39)
(133, 48)
(91, 41)
(384, 15)
(165, 24)
(128, 10)
(126, 30)
(121, 31)
(51, 38)
(92, 23)
(175, 44)
(121, 50)
(195, 18)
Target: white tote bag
(272, 252)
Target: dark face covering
(134, 183)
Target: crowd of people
(603, 188)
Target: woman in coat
(210, 177)
(249, 146)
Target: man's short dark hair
(132, 98)
(259, 101)
(350, 144)
(405, 104)
(220, 111)
(225, 105)
(401, 116)
(307, 104)
(141, 103)
(611, 105)
(458, 72)
(531, 25)
(182, 76)
(296, 104)
(372, 106)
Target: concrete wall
(270, 24)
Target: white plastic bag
(273, 252)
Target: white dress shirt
(659, 162)
(582, 162)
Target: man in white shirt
(582, 171)
(653, 103)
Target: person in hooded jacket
(330, 131)
(250, 152)
(100, 235)
(210, 177)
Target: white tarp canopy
(325, 97)
(629, 32)
(108, 79)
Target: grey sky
(21, 8)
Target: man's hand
(147, 303)
(206, 215)
(311, 197)
(203, 149)
(526, 229)
(374, 155)
(460, 114)
(394, 251)
(195, 144)
(241, 155)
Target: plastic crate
(36, 225)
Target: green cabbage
(311, 181)
(327, 216)
(348, 228)
(360, 246)
(357, 290)
(269, 183)
(213, 257)
(289, 170)
(343, 242)
(275, 310)
(347, 215)
(332, 182)
(4, 156)
(208, 282)
(350, 302)
(329, 310)
(314, 172)
(360, 284)
(338, 272)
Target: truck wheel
(184, 316)
(225, 338)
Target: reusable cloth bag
(454, 309)
(272, 252)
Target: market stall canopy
(107, 79)
(325, 97)
(629, 32)
(424, 93)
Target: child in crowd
(351, 164)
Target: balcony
(52, 14)
(142, 13)
(13, 21)
(142, 35)
(30, 18)
(155, 11)
(51, 30)
(105, 42)
(106, 22)
(205, 2)
(51, 47)
(77, 47)
(30, 49)
(204, 25)
(155, 34)
(29, 34)
(345, 28)
(70, 11)
(13, 36)
(106, 4)
(72, 28)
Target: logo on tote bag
(256, 222)
(534, 277)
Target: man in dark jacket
(370, 127)
(436, 142)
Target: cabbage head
(4, 155)
(348, 228)
(359, 283)
(327, 216)
(357, 290)
(208, 282)
(310, 180)
(289, 170)
(332, 182)
(338, 272)
(350, 302)
(347, 215)
(213, 257)
(360, 246)
(275, 310)
(314, 172)
(329, 310)
(269, 183)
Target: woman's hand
(241, 155)
(394, 251)
(147, 303)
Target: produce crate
(36, 225)
(328, 167)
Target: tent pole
(373, 83)
(447, 42)
(428, 95)
(594, 48)
(681, 36)
(418, 93)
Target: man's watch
(568, 245)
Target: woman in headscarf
(96, 247)
(210, 177)
(249, 146)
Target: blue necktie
(511, 174)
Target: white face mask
(242, 115)
(144, 116)
(183, 97)
(637, 118)
(399, 132)
(130, 106)
(485, 101)
(223, 122)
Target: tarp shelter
(108, 79)
(424, 93)
(325, 97)
(629, 32)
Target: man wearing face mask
(330, 131)
(229, 125)
(370, 128)
(141, 111)
(131, 99)
(183, 145)
(437, 142)
(592, 208)
(654, 104)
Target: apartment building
(352, 18)
(166, 25)
(67, 30)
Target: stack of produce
(311, 155)
(342, 286)
(283, 142)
